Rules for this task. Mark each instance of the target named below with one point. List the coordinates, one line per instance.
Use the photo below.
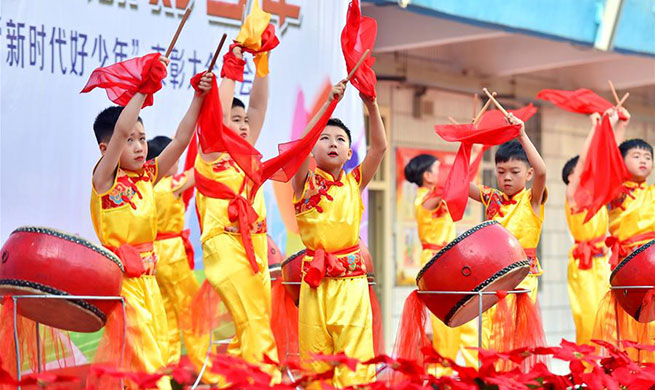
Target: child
(335, 309)
(125, 219)
(229, 269)
(436, 229)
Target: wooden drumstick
(623, 99)
(179, 30)
(495, 102)
(616, 97)
(477, 118)
(452, 120)
(218, 50)
(358, 64)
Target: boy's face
(332, 149)
(639, 163)
(135, 151)
(239, 122)
(512, 176)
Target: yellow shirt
(126, 213)
(435, 227)
(170, 208)
(213, 212)
(517, 216)
(330, 210)
(633, 213)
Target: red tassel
(284, 323)
(378, 331)
(411, 338)
(529, 329)
(204, 313)
(112, 351)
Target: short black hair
(157, 145)
(511, 150)
(338, 123)
(236, 102)
(103, 126)
(568, 169)
(417, 166)
(635, 143)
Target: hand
(367, 100)
(337, 91)
(205, 84)
(595, 118)
(164, 60)
(513, 120)
(626, 113)
(238, 52)
(613, 114)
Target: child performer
(335, 309)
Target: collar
(329, 176)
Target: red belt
(621, 249)
(584, 251)
(188, 248)
(532, 256)
(130, 256)
(238, 209)
(432, 247)
(332, 264)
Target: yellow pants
(336, 318)
(247, 295)
(586, 290)
(178, 286)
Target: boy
(229, 269)
(124, 218)
(335, 310)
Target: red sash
(585, 251)
(621, 249)
(239, 209)
(331, 264)
(532, 256)
(432, 247)
(130, 256)
(188, 248)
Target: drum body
(638, 269)
(44, 261)
(485, 258)
(292, 274)
(275, 258)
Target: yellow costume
(588, 270)
(516, 214)
(126, 216)
(335, 310)
(247, 294)
(436, 229)
(176, 280)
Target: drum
(485, 258)
(275, 258)
(44, 261)
(291, 275)
(638, 269)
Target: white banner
(48, 49)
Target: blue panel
(636, 30)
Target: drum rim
(629, 257)
(293, 256)
(451, 244)
(53, 291)
(72, 238)
(484, 284)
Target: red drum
(638, 269)
(275, 258)
(485, 258)
(43, 261)
(291, 273)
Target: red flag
(124, 79)
(583, 101)
(603, 173)
(357, 36)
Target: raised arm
(103, 175)
(474, 192)
(187, 126)
(620, 128)
(378, 146)
(574, 181)
(257, 107)
(538, 165)
(226, 90)
(190, 182)
(298, 180)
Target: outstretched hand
(513, 120)
(205, 84)
(337, 91)
(367, 99)
(164, 60)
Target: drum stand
(618, 332)
(15, 298)
(480, 295)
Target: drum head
(637, 269)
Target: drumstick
(616, 97)
(357, 65)
(483, 110)
(218, 50)
(623, 99)
(179, 30)
(475, 104)
(495, 102)
(452, 120)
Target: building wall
(562, 135)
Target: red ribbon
(233, 66)
(130, 256)
(620, 249)
(585, 251)
(325, 263)
(188, 248)
(433, 247)
(239, 209)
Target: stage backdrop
(49, 48)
